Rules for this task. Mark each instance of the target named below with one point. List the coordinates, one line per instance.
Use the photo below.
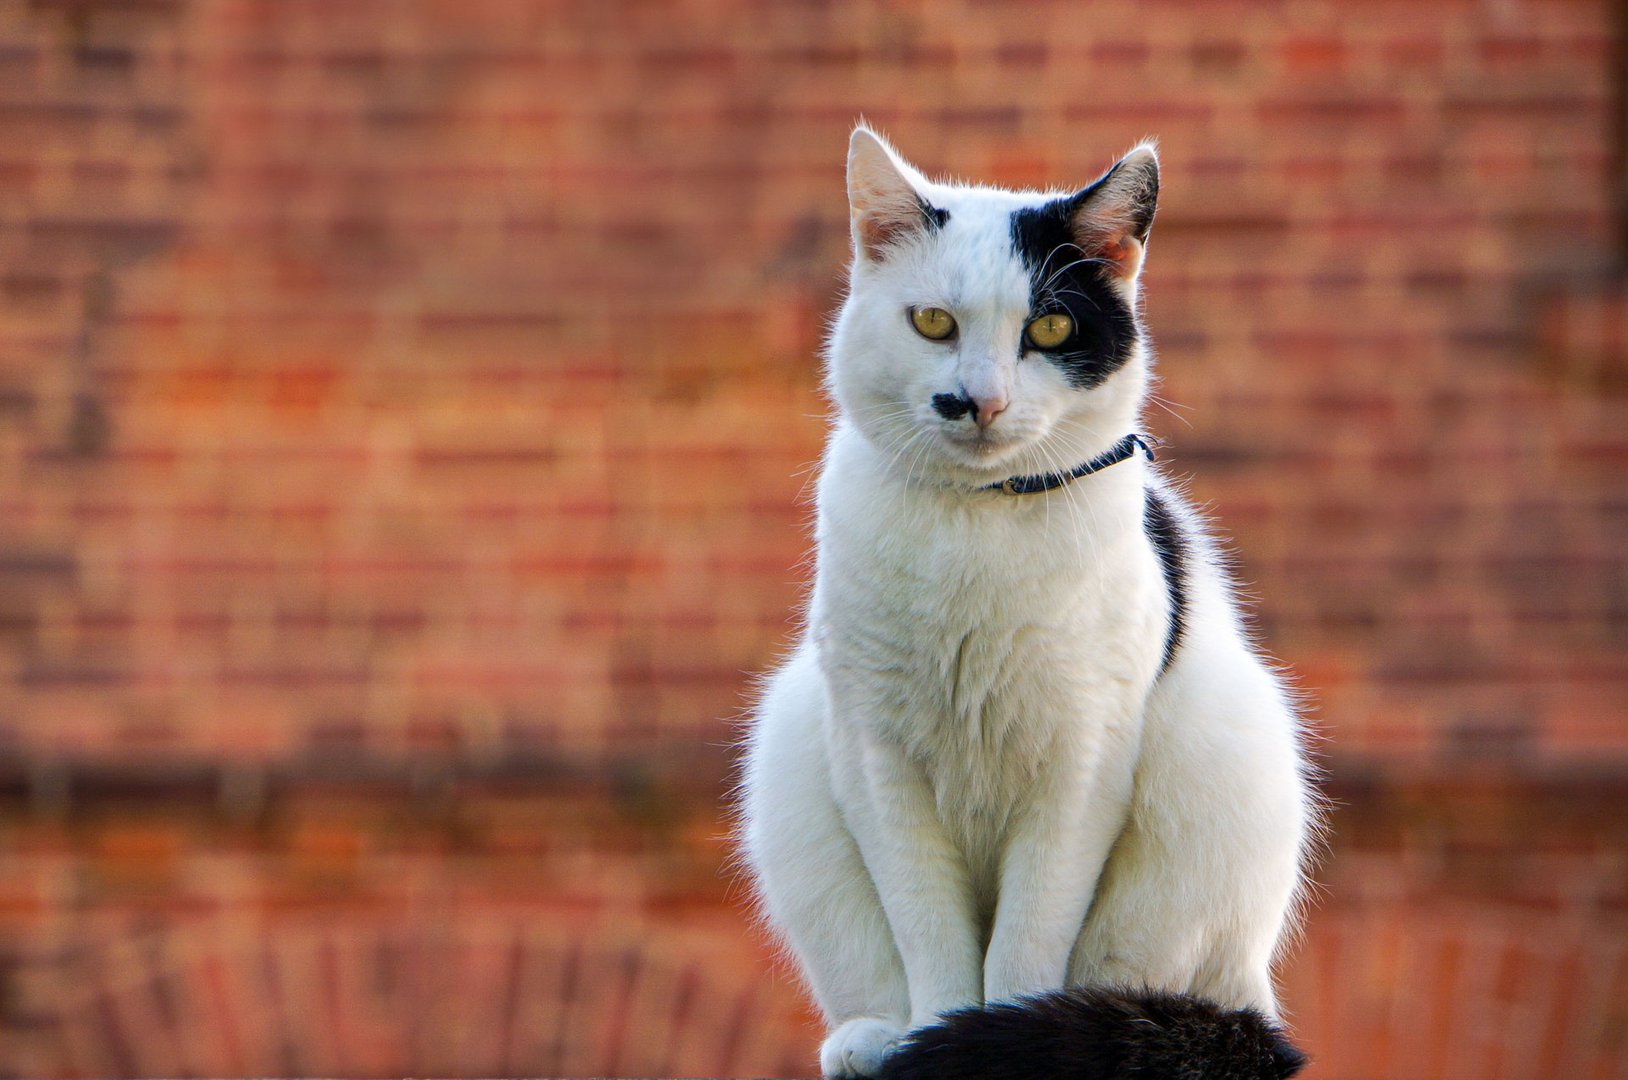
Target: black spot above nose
(952, 406)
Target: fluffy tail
(1097, 1035)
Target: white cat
(1025, 741)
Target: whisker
(1171, 407)
(1089, 261)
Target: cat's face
(986, 332)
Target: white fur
(971, 780)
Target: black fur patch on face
(1170, 544)
(952, 406)
(932, 215)
(1061, 278)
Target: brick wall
(405, 415)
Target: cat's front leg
(1057, 846)
(1200, 887)
(920, 876)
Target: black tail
(1097, 1035)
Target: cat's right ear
(1112, 217)
(885, 204)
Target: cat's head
(988, 332)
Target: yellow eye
(1049, 331)
(932, 323)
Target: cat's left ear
(885, 205)
(1111, 218)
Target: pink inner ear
(878, 228)
(1119, 251)
(1107, 240)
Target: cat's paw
(856, 1048)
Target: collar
(1031, 485)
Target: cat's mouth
(984, 447)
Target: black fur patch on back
(1097, 1035)
(1061, 278)
(1170, 545)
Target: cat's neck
(855, 460)
(1053, 478)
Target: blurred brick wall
(405, 413)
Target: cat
(1025, 741)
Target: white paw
(857, 1047)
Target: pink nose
(988, 409)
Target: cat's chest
(974, 629)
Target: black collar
(1030, 485)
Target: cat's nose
(988, 408)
